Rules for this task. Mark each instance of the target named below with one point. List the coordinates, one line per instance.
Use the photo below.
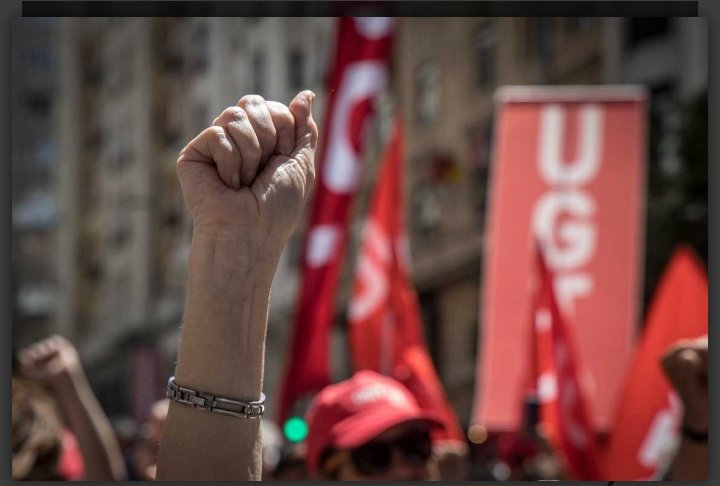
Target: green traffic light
(295, 429)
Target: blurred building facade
(35, 141)
(103, 106)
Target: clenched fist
(53, 361)
(248, 176)
(686, 367)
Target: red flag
(359, 74)
(385, 327)
(563, 410)
(568, 169)
(649, 412)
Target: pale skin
(686, 367)
(54, 361)
(245, 181)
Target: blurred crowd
(366, 427)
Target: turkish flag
(385, 327)
(564, 414)
(359, 74)
(649, 412)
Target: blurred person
(685, 365)
(145, 456)
(370, 427)
(536, 459)
(38, 435)
(54, 362)
(245, 181)
(127, 433)
(452, 458)
(292, 465)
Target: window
(296, 64)
(427, 92)
(641, 29)
(119, 235)
(38, 103)
(485, 46)
(198, 55)
(39, 59)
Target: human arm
(245, 181)
(55, 362)
(686, 367)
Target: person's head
(370, 427)
(37, 433)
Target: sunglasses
(376, 457)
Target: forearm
(101, 453)
(222, 352)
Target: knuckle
(232, 113)
(251, 100)
(215, 132)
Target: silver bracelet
(213, 403)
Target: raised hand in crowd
(686, 367)
(245, 180)
(55, 363)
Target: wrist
(69, 385)
(225, 318)
(230, 254)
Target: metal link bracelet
(213, 403)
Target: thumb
(306, 131)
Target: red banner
(649, 412)
(385, 327)
(359, 74)
(568, 171)
(563, 401)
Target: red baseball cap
(348, 414)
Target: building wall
(35, 216)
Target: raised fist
(249, 174)
(686, 367)
(53, 361)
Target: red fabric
(350, 413)
(563, 404)
(70, 465)
(385, 326)
(569, 170)
(358, 75)
(648, 411)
